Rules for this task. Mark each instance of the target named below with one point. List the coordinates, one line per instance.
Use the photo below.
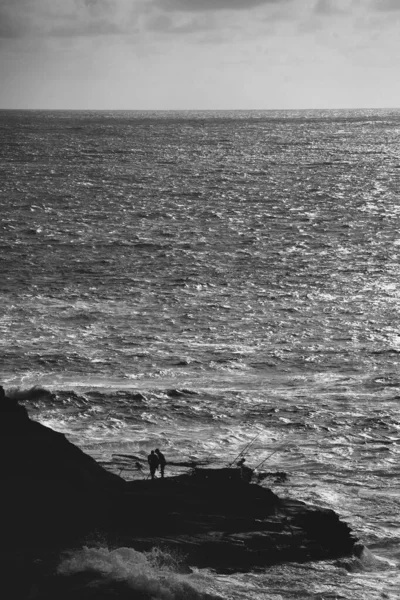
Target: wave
(97, 573)
(364, 560)
(32, 393)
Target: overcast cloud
(19, 18)
(199, 53)
(207, 5)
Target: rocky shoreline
(57, 497)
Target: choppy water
(191, 280)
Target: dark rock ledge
(56, 497)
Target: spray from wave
(33, 393)
(100, 573)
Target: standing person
(161, 460)
(246, 472)
(153, 461)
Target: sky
(199, 54)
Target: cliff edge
(55, 497)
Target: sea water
(196, 281)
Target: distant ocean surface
(191, 280)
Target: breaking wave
(32, 393)
(125, 573)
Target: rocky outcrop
(56, 496)
(217, 520)
(51, 490)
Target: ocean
(196, 281)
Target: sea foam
(101, 572)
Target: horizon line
(198, 109)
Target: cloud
(43, 19)
(223, 19)
(328, 7)
(360, 7)
(339, 7)
(97, 5)
(13, 18)
(215, 5)
(23, 18)
(167, 24)
(387, 5)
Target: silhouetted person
(246, 472)
(161, 460)
(153, 461)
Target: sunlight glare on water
(197, 280)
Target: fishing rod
(269, 456)
(244, 449)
